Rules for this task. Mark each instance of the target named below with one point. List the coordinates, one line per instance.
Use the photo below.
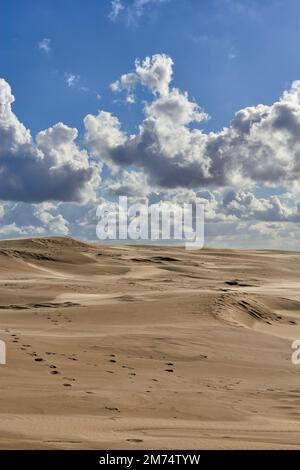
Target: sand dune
(147, 347)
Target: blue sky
(228, 53)
(60, 58)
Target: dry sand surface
(147, 347)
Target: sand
(135, 347)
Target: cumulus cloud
(102, 134)
(169, 158)
(153, 72)
(245, 205)
(23, 219)
(53, 167)
(132, 184)
(261, 145)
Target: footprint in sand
(111, 408)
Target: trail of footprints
(132, 373)
(169, 367)
(39, 359)
(112, 359)
(57, 318)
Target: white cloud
(22, 219)
(139, 8)
(244, 205)
(130, 99)
(153, 72)
(45, 45)
(55, 224)
(72, 79)
(132, 10)
(132, 184)
(168, 158)
(126, 82)
(116, 8)
(53, 167)
(102, 134)
(261, 145)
